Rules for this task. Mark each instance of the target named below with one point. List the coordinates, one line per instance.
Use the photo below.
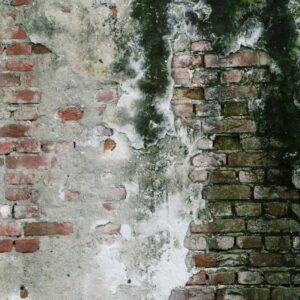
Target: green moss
(227, 143)
(152, 18)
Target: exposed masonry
(88, 213)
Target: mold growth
(152, 17)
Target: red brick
(182, 61)
(109, 145)
(11, 13)
(26, 113)
(28, 146)
(106, 95)
(27, 79)
(27, 246)
(270, 260)
(243, 58)
(201, 46)
(197, 279)
(232, 76)
(7, 80)
(6, 147)
(17, 194)
(19, 65)
(6, 246)
(21, 2)
(12, 33)
(205, 260)
(57, 147)
(45, 228)
(183, 110)
(40, 49)
(18, 49)
(219, 226)
(181, 76)
(24, 96)
(29, 162)
(10, 229)
(25, 212)
(16, 178)
(70, 114)
(229, 92)
(14, 130)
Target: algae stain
(152, 19)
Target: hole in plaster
(129, 281)
(22, 287)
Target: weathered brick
(27, 246)
(207, 109)
(25, 113)
(29, 162)
(19, 65)
(203, 78)
(183, 110)
(219, 225)
(204, 144)
(197, 279)
(244, 159)
(243, 293)
(249, 242)
(8, 80)
(270, 259)
(229, 92)
(274, 192)
(182, 61)
(220, 209)
(107, 95)
(221, 278)
(6, 246)
(208, 160)
(28, 146)
(277, 225)
(296, 210)
(235, 109)
(278, 243)
(252, 176)
(198, 175)
(205, 260)
(184, 94)
(40, 49)
(242, 58)
(13, 194)
(71, 195)
(278, 278)
(70, 114)
(220, 176)
(220, 243)
(223, 142)
(6, 147)
(16, 178)
(46, 228)
(201, 46)
(21, 2)
(181, 76)
(18, 49)
(10, 229)
(231, 76)
(250, 277)
(253, 143)
(196, 242)
(230, 126)
(231, 192)
(14, 130)
(286, 293)
(12, 33)
(23, 96)
(25, 212)
(276, 209)
(248, 209)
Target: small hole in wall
(129, 281)
(74, 144)
(22, 287)
(101, 61)
(68, 275)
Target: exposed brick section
(44, 228)
(27, 246)
(252, 232)
(24, 164)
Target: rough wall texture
(137, 159)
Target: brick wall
(249, 249)
(24, 158)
